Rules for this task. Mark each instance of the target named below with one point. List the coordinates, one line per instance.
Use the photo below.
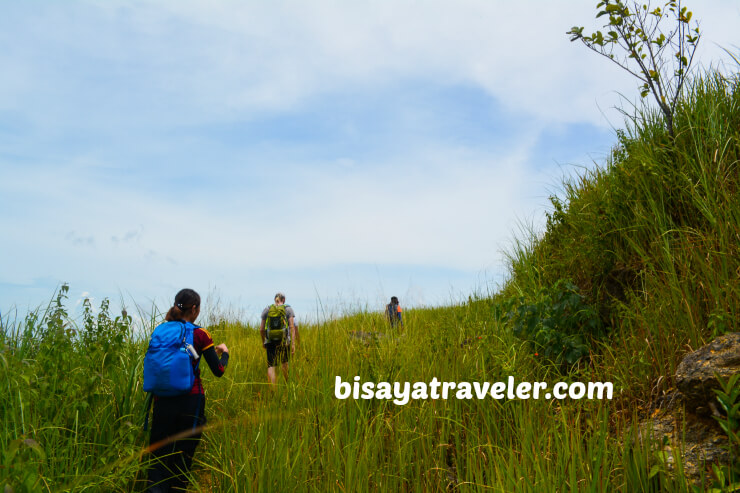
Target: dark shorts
(277, 353)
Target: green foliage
(727, 478)
(636, 41)
(100, 332)
(16, 458)
(71, 398)
(558, 321)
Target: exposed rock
(702, 442)
(695, 376)
(365, 337)
(688, 430)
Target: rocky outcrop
(699, 441)
(696, 374)
(682, 422)
(366, 338)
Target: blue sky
(341, 152)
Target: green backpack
(277, 324)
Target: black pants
(172, 458)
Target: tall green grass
(298, 436)
(72, 410)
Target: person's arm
(263, 332)
(216, 364)
(292, 335)
(203, 343)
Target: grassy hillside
(651, 239)
(637, 265)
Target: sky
(339, 152)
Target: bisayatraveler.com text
(403, 392)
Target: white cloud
(193, 61)
(84, 80)
(517, 51)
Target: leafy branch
(637, 41)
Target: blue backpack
(168, 368)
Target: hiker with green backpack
(278, 332)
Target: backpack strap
(197, 365)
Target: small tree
(637, 42)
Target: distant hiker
(278, 332)
(393, 312)
(172, 375)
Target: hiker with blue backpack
(172, 377)
(277, 328)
